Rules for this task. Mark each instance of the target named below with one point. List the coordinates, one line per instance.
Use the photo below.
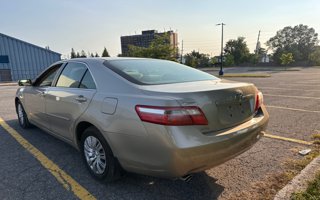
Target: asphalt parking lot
(293, 102)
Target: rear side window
(87, 81)
(71, 75)
(155, 72)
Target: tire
(98, 157)
(22, 116)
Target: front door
(35, 97)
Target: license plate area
(235, 111)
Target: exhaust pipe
(186, 178)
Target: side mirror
(26, 82)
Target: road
(293, 102)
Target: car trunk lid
(224, 103)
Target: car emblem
(239, 96)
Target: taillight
(172, 116)
(259, 100)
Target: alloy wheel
(95, 155)
(20, 114)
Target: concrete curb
(300, 182)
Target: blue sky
(92, 25)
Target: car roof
(102, 59)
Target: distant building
(22, 60)
(264, 58)
(145, 39)
(218, 58)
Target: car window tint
(87, 81)
(153, 72)
(71, 75)
(48, 76)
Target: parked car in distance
(147, 116)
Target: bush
(286, 58)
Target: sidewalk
(8, 84)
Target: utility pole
(258, 43)
(181, 55)
(256, 60)
(221, 70)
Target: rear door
(69, 98)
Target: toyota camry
(147, 116)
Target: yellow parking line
(298, 97)
(66, 180)
(286, 139)
(294, 109)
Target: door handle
(81, 99)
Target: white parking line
(298, 84)
(274, 88)
(298, 97)
(294, 109)
(311, 81)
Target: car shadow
(200, 186)
(130, 186)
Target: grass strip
(267, 188)
(312, 192)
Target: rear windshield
(155, 72)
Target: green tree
(238, 49)
(213, 61)
(196, 59)
(159, 48)
(91, 55)
(105, 53)
(96, 55)
(314, 57)
(257, 56)
(229, 60)
(73, 53)
(253, 58)
(286, 58)
(299, 40)
(135, 51)
(191, 59)
(78, 55)
(83, 54)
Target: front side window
(155, 72)
(71, 75)
(47, 77)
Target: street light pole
(221, 58)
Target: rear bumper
(176, 151)
(227, 146)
